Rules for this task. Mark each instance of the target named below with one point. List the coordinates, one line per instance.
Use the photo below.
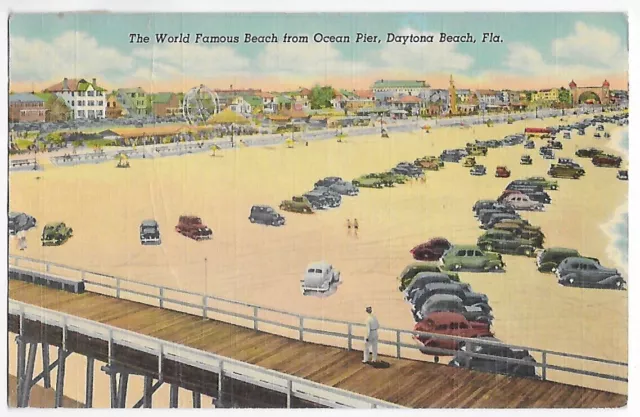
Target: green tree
(57, 110)
(321, 97)
(55, 138)
(564, 96)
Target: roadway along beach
(263, 265)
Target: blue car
(478, 170)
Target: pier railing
(225, 367)
(398, 343)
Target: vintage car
(431, 163)
(150, 233)
(597, 135)
(368, 181)
(588, 152)
(297, 204)
(587, 272)
(192, 227)
(566, 135)
(423, 279)
(55, 234)
(333, 198)
(548, 154)
(606, 160)
(526, 160)
(343, 188)
(448, 324)
(19, 222)
(453, 304)
(460, 290)
(503, 241)
(390, 178)
(543, 182)
(474, 149)
(499, 217)
(319, 277)
(415, 268)
(581, 132)
(471, 258)
(484, 215)
(431, 250)
(554, 144)
(265, 215)
(469, 161)
(565, 171)
(452, 155)
(478, 170)
(547, 260)
(530, 145)
(483, 205)
(569, 162)
(520, 228)
(623, 175)
(317, 200)
(502, 172)
(521, 201)
(607, 135)
(463, 359)
(600, 128)
(411, 171)
(327, 181)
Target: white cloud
(72, 54)
(593, 45)
(589, 51)
(307, 59)
(424, 57)
(176, 60)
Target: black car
(530, 145)
(327, 182)
(333, 198)
(150, 232)
(19, 222)
(408, 170)
(454, 155)
(266, 215)
(462, 359)
(588, 152)
(317, 199)
(554, 144)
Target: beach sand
(263, 265)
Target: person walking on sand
(349, 226)
(356, 225)
(371, 336)
(22, 240)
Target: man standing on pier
(371, 336)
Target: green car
(503, 241)
(389, 179)
(471, 258)
(543, 182)
(415, 268)
(520, 228)
(368, 181)
(55, 234)
(548, 259)
(565, 171)
(297, 204)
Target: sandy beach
(263, 265)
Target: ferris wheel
(199, 104)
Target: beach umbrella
(227, 117)
(214, 148)
(289, 142)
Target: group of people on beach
(353, 225)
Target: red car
(431, 250)
(192, 227)
(503, 172)
(451, 324)
(605, 160)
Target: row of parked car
(53, 234)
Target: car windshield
(148, 230)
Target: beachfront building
(239, 105)
(86, 99)
(26, 107)
(487, 98)
(166, 104)
(135, 100)
(463, 95)
(361, 99)
(269, 104)
(114, 109)
(399, 88)
(550, 95)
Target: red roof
(264, 95)
(364, 93)
(72, 85)
(409, 99)
(305, 92)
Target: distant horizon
(530, 51)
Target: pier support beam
(119, 381)
(173, 396)
(147, 396)
(24, 388)
(88, 401)
(46, 372)
(22, 353)
(197, 399)
(62, 360)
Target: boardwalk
(405, 382)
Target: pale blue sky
(536, 31)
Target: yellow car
(470, 162)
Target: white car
(522, 201)
(319, 277)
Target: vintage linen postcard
(366, 210)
